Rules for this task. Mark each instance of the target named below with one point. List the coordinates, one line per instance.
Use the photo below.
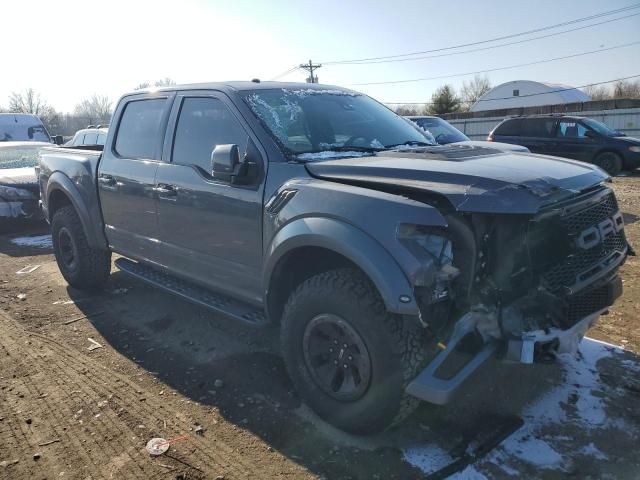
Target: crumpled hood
(24, 178)
(473, 179)
(505, 147)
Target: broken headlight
(432, 249)
(425, 239)
(12, 194)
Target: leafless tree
(96, 109)
(163, 82)
(598, 92)
(473, 89)
(30, 101)
(626, 89)
(408, 109)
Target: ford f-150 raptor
(394, 267)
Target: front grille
(579, 265)
(577, 222)
(581, 305)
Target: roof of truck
(245, 85)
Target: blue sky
(73, 49)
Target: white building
(526, 93)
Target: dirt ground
(87, 379)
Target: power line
(491, 47)
(490, 40)
(285, 72)
(527, 95)
(508, 67)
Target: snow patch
(305, 92)
(428, 458)
(331, 154)
(592, 451)
(537, 452)
(38, 241)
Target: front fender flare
(60, 182)
(352, 243)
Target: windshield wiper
(411, 143)
(345, 148)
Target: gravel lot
(166, 368)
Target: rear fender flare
(352, 243)
(60, 182)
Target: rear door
(126, 176)
(572, 142)
(537, 134)
(210, 231)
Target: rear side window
(101, 138)
(90, 139)
(537, 127)
(79, 138)
(203, 124)
(509, 128)
(139, 129)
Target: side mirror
(225, 163)
(58, 140)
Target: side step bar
(194, 293)
(429, 387)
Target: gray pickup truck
(394, 267)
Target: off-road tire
(395, 345)
(610, 162)
(91, 267)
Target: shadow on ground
(25, 239)
(190, 349)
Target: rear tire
(359, 388)
(82, 267)
(610, 162)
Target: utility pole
(310, 67)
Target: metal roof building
(527, 93)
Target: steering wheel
(439, 137)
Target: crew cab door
(126, 175)
(210, 231)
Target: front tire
(610, 162)
(81, 266)
(349, 358)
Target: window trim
(162, 127)
(172, 125)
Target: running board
(194, 293)
(429, 387)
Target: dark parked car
(579, 138)
(444, 133)
(394, 267)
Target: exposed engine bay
(520, 274)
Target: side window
(571, 129)
(102, 138)
(538, 127)
(90, 139)
(510, 128)
(78, 139)
(204, 123)
(139, 129)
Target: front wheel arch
(339, 241)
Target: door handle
(106, 180)
(165, 190)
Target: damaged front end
(18, 203)
(523, 286)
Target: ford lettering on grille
(596, 234)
